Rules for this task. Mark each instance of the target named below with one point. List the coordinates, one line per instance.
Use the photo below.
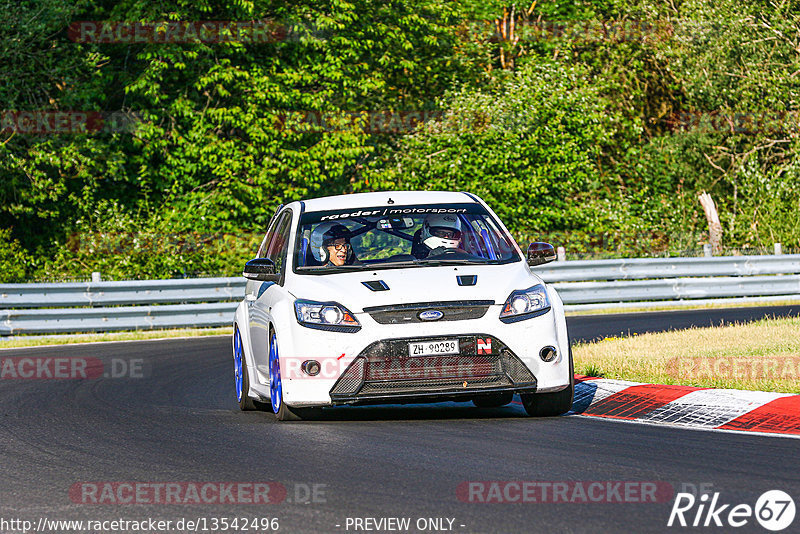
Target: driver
(336, 249)
(439, 232)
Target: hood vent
(376, 285)
(467, 279)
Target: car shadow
(417, 412)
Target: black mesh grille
(427, 386)
(384, 369)
(432, 367)
(516, 370)
(351, 379)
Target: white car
(398, 297)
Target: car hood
(413, 285)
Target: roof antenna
(391, 201)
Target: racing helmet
(327, 233)
(441, 230)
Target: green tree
(530, 148)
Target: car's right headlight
(330, 316)
(525, 304)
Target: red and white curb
(710, 409)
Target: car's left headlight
(525, 304)
(330, 316)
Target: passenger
(336, 249)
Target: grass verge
(55, 339)
(762, 355)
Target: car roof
(400, 198)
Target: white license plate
(429, 348)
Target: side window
(279, 242)
(262, 250)
(266, 243)
(501, 244)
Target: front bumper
(337, 351)
(384, 371)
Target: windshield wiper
(333, 268)
(452, 262)
(392, 264)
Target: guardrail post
(778, 249)
(96, 277)
(707, 251)
(561, 254)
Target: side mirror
(261, 269)
(540, 253)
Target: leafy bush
(14, 261)
(577, 136)
(527, 148)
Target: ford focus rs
(398, 297)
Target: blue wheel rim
(237, 364)
(275, 389)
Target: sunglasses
(339, 246)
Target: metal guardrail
(204, 302)
(134, 292)
(109, 306)
(678, 289)
(641, 268)
(68, 320)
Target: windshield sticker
(384, 212)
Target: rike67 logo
(774, 510)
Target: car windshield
(400, 236)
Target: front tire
(551, 404)
(282, 411)
(241, 380)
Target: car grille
(384, 370)
(460, 310)
(433, 386)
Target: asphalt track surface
(180, 423)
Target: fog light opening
(548, 354)
(310, 367)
